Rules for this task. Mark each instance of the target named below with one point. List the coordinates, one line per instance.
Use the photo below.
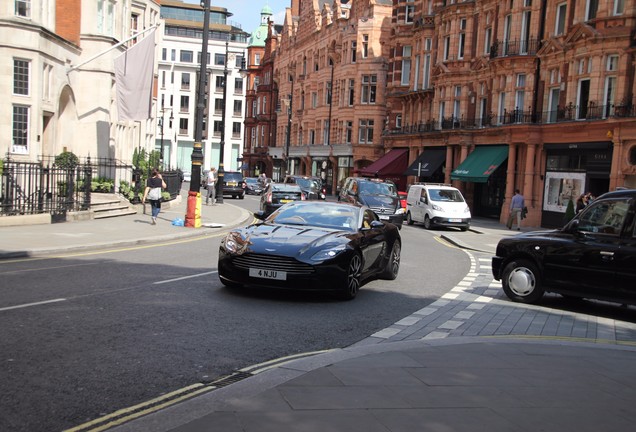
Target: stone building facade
(60, 94)
(330, 72)
(533, 95)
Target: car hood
(289, 240)
(374, 201)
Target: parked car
(253, 186)
(593, 256)
(379, 195)
(312, 245)
(435, 204)
(233, 184)
(277, 194)
(311, 186)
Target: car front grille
(383, 210)
(272, 262)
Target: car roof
(620, 193)
(374, 180)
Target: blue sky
(248, 12)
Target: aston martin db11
(312, 245)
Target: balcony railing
(568, 113)
(514, 48)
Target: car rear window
(229, 176)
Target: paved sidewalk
(39, 240)
(469, 361)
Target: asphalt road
(106, 330)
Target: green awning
(480, 164)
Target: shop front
(571, 170)
(486, 169)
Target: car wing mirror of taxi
(374, 225)
(572, 227)
(260, 215)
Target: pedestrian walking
(517, 204)
(210, 184)
(153, 190)
(262, 179)
(581, 203)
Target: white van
(435, 204)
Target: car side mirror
(260, 215)
(374, 225)
(572, 226)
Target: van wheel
(427, 222)
(409, 219)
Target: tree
(569, 212)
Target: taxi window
(606, 217)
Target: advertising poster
(561, 187)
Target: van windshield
(447, 195)
(373, 188)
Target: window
(501, 109)
(351, 91)
(312, 137)
(185, 104)
(23, 8)
(186, 56)
(591, 7)
(236, 129)
(612, 63)
(238, 85)
(553, 103)
(238, 107)
(604, 217)
(217, 128)
(328, 93)
(314, 100)
(610, 95)
(325, 135)
(406, 66)
(442, 113)
(409, 11)
(219, 83)
(185, 81)
(173, 55)
(525, 32)
(20, 129)
(487, 39)
(520, 94)
(506, 35)
(369, 83)
(619, 7)
(398, 121)
(207, 60)
(365, 132)
(105, 17)
(426, 83)
(348, 132)
(462, 38)
(559, 27)
(219, 59)
(583, 98)
(257, 59)
(164, 54)
(446, 47)
(365, 46)
(21, 73)
(218, 106)
(354, 47)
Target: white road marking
(184, 277)
(32, 304)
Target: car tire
(409, 219)
(464, 228)
(393, 263)
(242, 196)
(427, 222)
(521, 281)
(353, 277)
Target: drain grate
(230, 379)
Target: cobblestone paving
(477, 306)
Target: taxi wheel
(521, 281)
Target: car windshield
(448, 195)
(233, 176)
(373, 188)
(322, 215)
(251, 180)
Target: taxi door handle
(606, 255)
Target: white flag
(134, 74)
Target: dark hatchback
(312, 246)
(276, 195)
(253, 186)
(381, 196)
(593, 256)
(234, 184)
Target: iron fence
(28, 188)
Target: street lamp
(243, 72)
(289, 102)
(161, 126)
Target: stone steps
(110, 205)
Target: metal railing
(568, 113)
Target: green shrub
(66, 160)
(569, 212)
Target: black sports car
(312, 245)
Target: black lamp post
(161, 128)
(194, 197)
(290, 100)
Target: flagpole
(72, 68)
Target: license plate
(286, 201)
(268, 274)
(384, 218)
(231, 183)
(455, 220)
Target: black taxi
(593, 256)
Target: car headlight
(437, 208)
(399, 211)
(234, 243)
(329, 253)
(466, 210)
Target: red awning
(392, 164)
